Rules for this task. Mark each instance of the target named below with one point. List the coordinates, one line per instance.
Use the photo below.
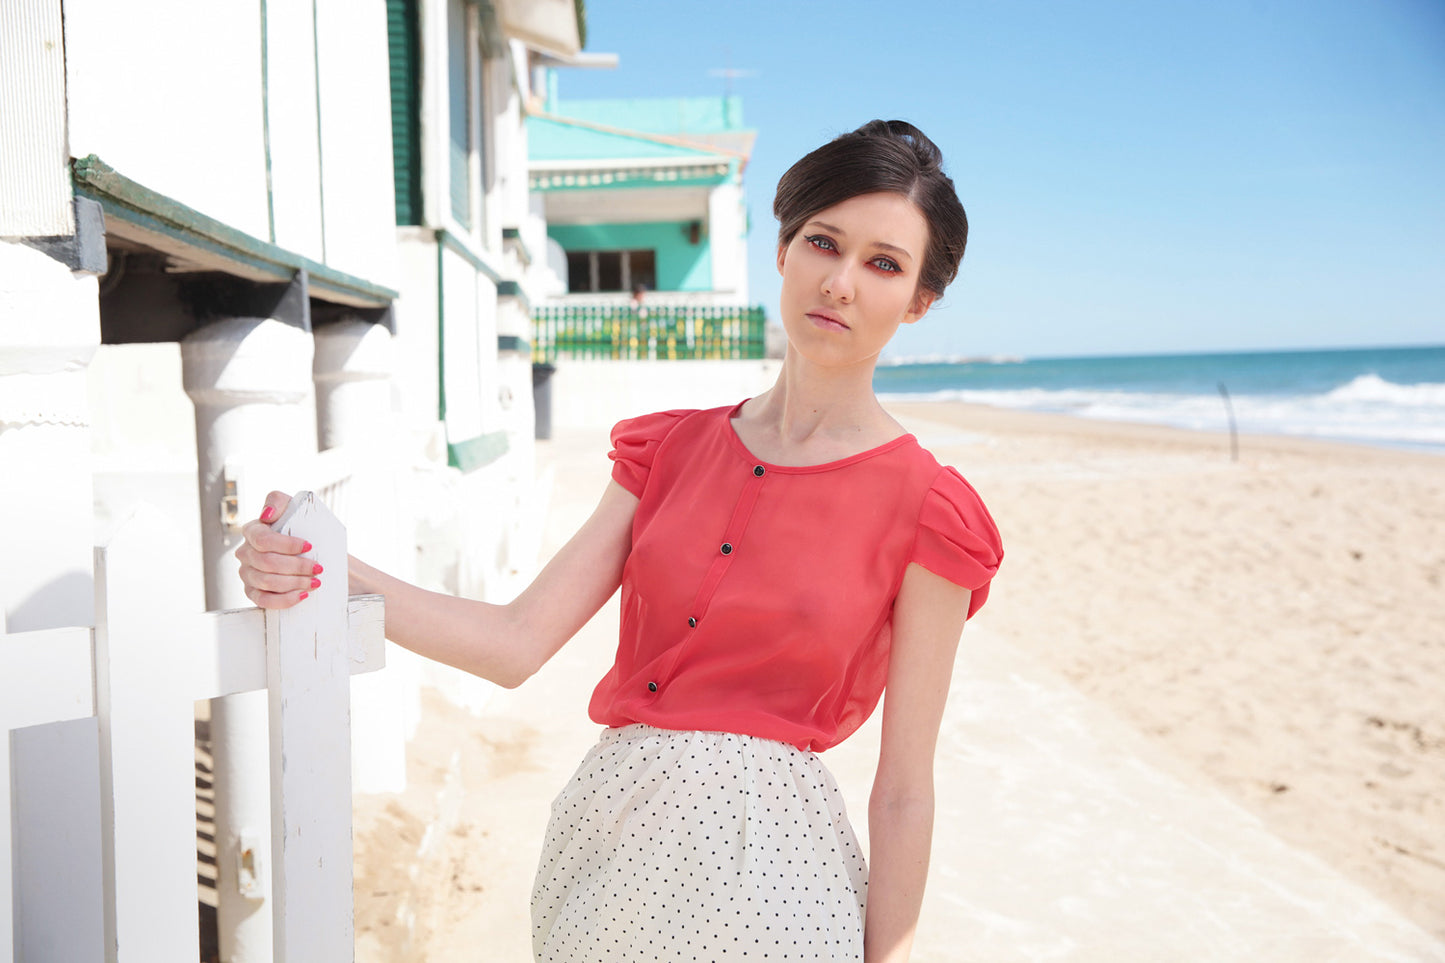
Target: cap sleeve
(634, 445)
(957, 538)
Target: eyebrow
(881, 244)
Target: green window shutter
(402, 25)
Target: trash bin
(542, 398)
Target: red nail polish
(305, 594)
(268, 513)
(307, 548)
(317, 569)
(316, 583)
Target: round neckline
(737, 444)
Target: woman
(780, 561)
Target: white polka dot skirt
(707, 846)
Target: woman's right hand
(275, 574)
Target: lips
(827, 320)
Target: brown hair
(882, 156)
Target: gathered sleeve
(957, 538)
(634, 444)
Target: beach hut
(646, 254)
(271, 244)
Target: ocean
(1392, 397)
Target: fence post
(143, 672)
(352, 372)
(308, 677)
(250, 380)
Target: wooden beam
(49, 675)
(229, 654)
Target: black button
(727, 548)
(652, 687)
(758, 470)
(692, 623)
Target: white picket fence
(138, 673)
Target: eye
(887, 264)
(821, 242)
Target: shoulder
(956, 536)
(655, 426)
(636, 441)
(951, 495)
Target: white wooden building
(271, 243)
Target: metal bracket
(83, 251)
(231, 487)
(252, 876)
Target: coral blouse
(758, 598)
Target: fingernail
(317, 569)
(268, 513)
(307, 548)
(305, 594)
(316, 583)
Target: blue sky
(1139, 177)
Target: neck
(808, 401)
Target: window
(464, 169)
(589, 271)
(459, 112)
(403, 32)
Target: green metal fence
(665, 333)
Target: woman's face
(850, 278)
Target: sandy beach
(1199, 719)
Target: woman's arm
(928, 619)
(502, 643)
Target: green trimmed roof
(632, 143)
(557, 139)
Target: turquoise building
(646, 221)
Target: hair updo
(882, 156)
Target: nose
(838, 283)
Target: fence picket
(147, 749)
(137, 674)
(308, 679)
(60, 893)
(49, 673)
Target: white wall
(542, 277)
(598, 394)
(416, 328)
(727, 237)
(169, 94)
(49, 330)
(464, 331)
(143, 449)
(511, 138)
(35, 191)
(291, 79)
(356, 139)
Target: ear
(922, 301)
(782, 253)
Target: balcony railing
(655, 332)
